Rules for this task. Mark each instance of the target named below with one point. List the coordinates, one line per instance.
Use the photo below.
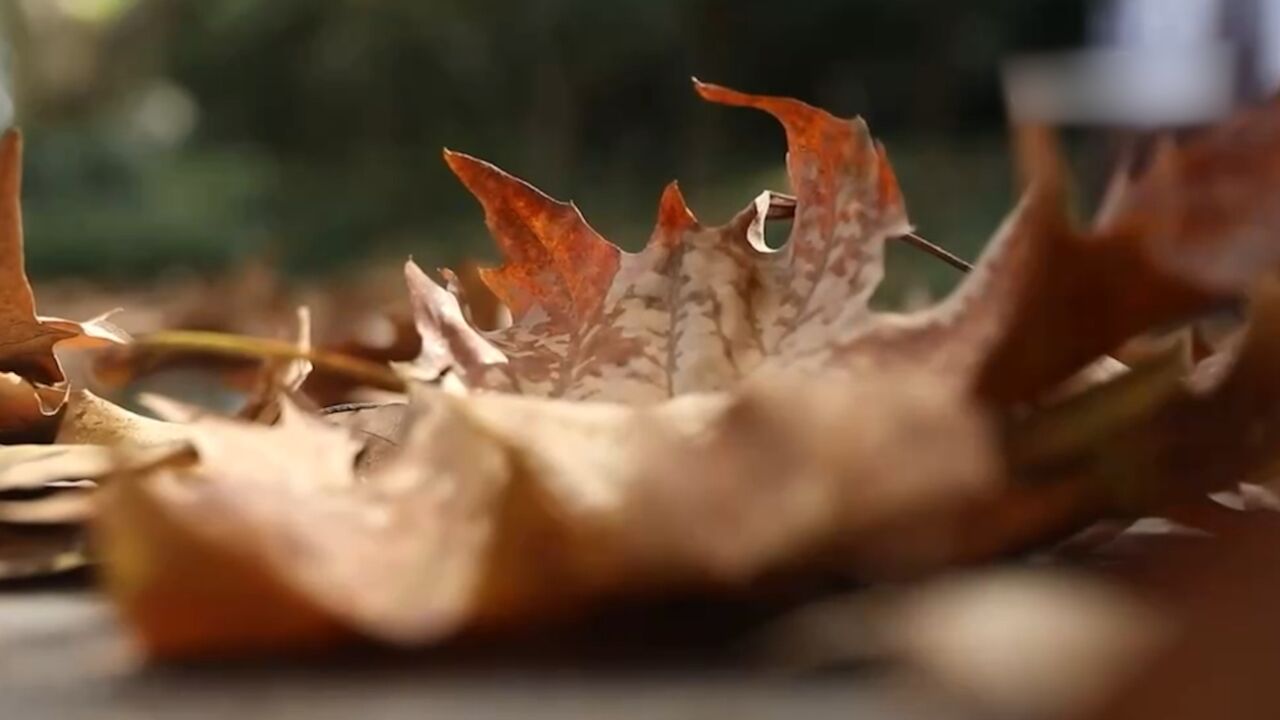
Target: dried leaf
(1225, 641)
(22, 406)
(1222, 429)
(1197, 229)
(27, 341)
(1154, 439)
(281, 377)
(699, 308)
(380, 427)
(27, 467)
(90, 420)
(505, 510)
(71, 506)
(27, 552)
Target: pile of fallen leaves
(706, 417)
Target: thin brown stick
(783, 207)
(213, 343)
(939, 252)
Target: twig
(783, 206)
(214, 343)
(937, 251)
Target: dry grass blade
(369, 373)
(783, 207)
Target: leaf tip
(10, 161)
(459, 162)
(722, 95)
(413, 273)
(673, 211)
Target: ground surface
(63, 656)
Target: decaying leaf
(281, 376)
(27, 552)
(40, 514)
(30, 467)
(380, 427)
(33, 390)
(1224, 642)
(90, 420)
(503, 509)
(47, 495)
(1220, 430)
(701, 308)
(1195, 230)
(26, 340)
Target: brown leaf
(22, 410)
(281, 377)
(27, 341)
(1226, 641)
(1196, 229)
(67, 507)
(1153, 440)
(702, 308)
(699, 308)
(447, 337)
(90, 420)
(1222, 429)
(27, 552)
(507, 510)
(27, 467)
(380, 427)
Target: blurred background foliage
(196, 133)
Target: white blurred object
(6, 82)
(1155, 23)
(1144, 88)
(1159, 63)
(165, 114)
(6, 104)
(1027, 643)
(1269, 45)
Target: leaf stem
(783, 206)
(215, 343)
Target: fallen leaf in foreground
(1225, 642)
(27, 341)
(504, 510)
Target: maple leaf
(698, 309)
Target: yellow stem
(214, 343)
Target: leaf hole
(776, 232)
